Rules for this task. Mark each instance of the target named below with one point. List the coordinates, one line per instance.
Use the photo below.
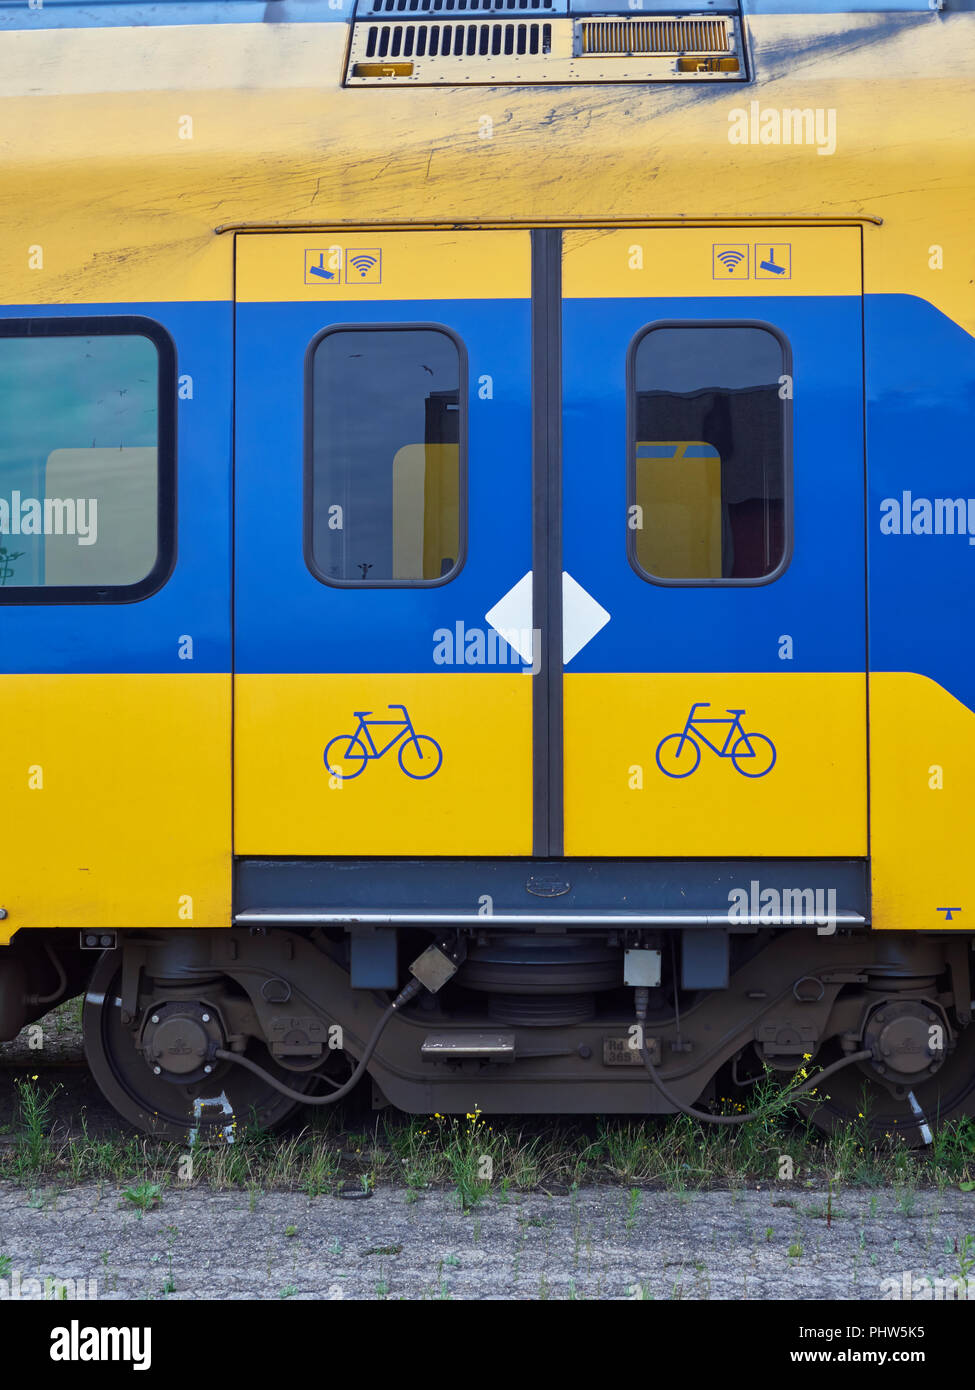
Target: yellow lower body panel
(116, 801)
(922, 775)
(116, 789)
(476, 798)
(810, 800)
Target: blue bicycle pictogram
(346, 755)
(678, 755)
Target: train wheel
(219, 1106)
(913, 1113)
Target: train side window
(710, 453)
(385, 455)
(87, 459)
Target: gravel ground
(597, 1243)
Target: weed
(34, 1152)
(143, 1196)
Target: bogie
(513, 1022)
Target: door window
(386, 450)
(709, 473)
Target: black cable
(809, 1085)
(403, 998)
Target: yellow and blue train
(486, 551)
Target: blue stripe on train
(920, 413)
(920, 404)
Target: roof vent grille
(624, 37)
(456, 40)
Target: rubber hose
(809, 1085)
(404, 997)
(62, 982)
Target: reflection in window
(709, 474)
(385, 471)
(78, 460)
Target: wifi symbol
(363, 263)
(731, 259)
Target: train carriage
(486, 524)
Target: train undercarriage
(201, 1032)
